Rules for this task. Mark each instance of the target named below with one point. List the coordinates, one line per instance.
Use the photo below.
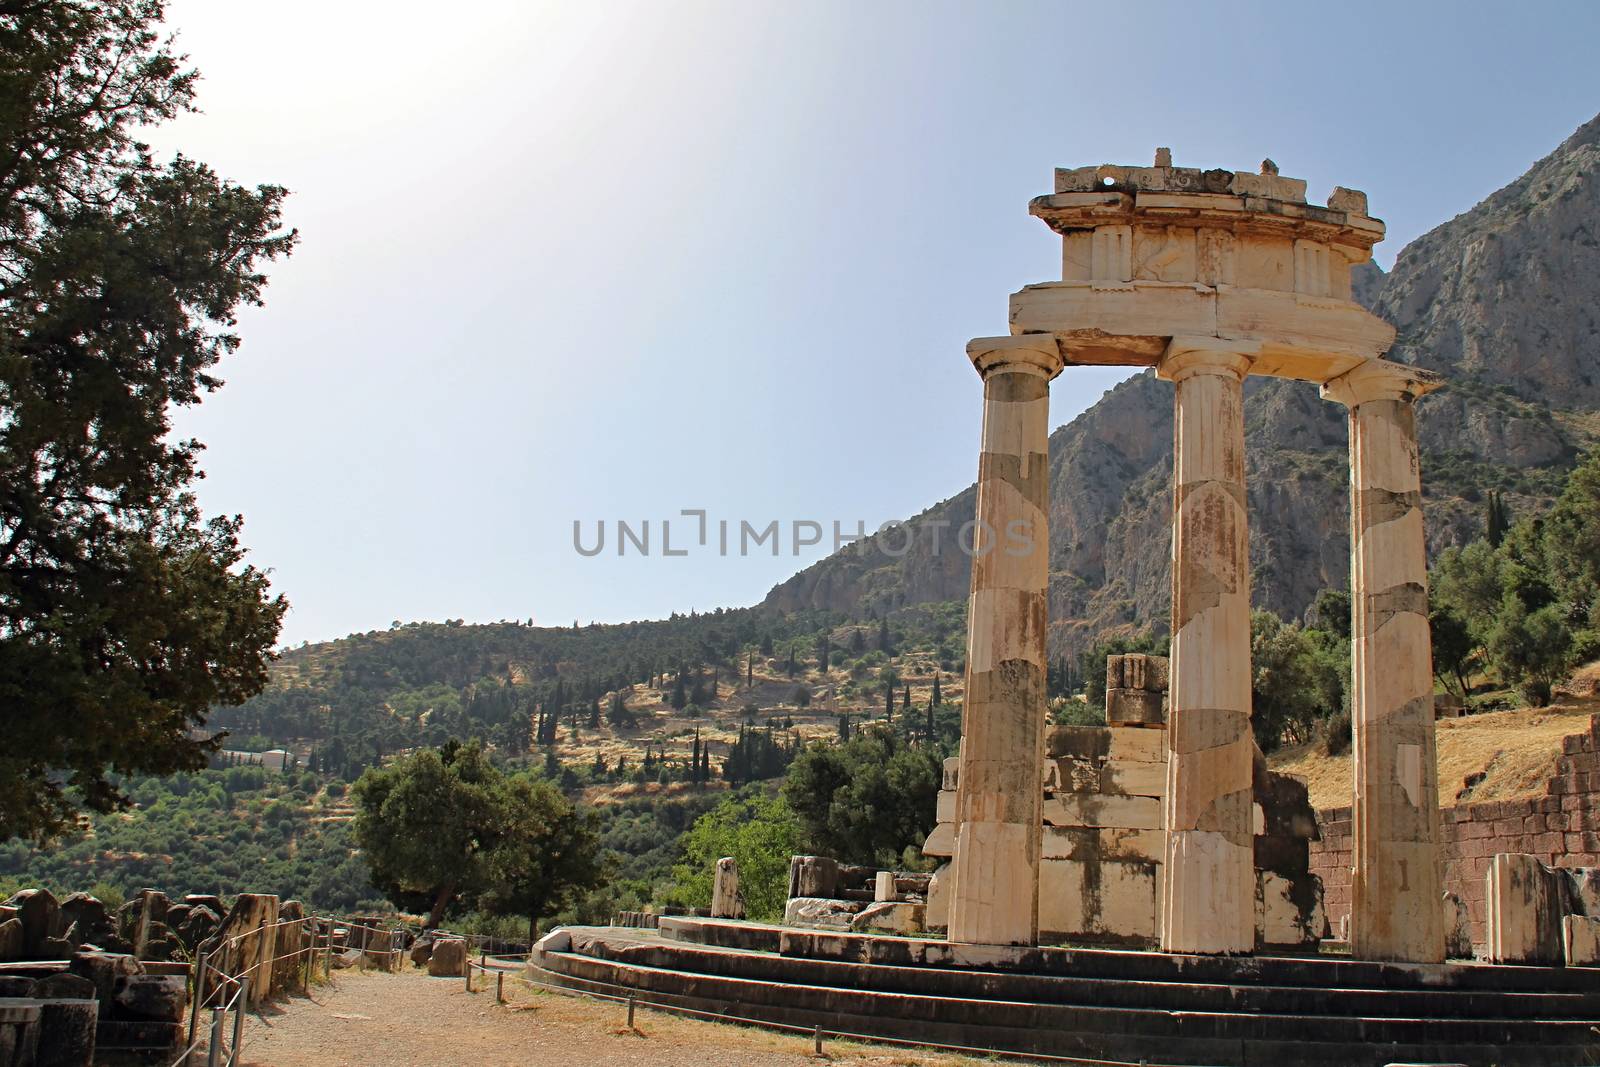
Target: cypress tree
(824, 646)
(750, 672)
(883, 636)
(935, 698)
(888, 703)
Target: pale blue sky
(584, 261)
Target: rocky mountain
(1503, 300)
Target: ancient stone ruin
(1207, 276)
(1103, 842)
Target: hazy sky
(609, 261)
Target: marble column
(1396, 910)
(994, 894)
(1209, 874)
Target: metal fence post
(238, 1019)
(818, 1037)
(214, 1051)
(199, 995)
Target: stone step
(1308, 971)
(1121, 992)
(1110, 992)
(1189, 1038)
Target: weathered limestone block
(19, 1032)
(1288, 913)
(1137, 671)
(891, 917)
(937, 915)
(105, 970)
(1580, 940)
(1458, 928)
(726, 900)
(1079, 809)
(1088, 843)
(449, 958)
(941, 844)
(1523, 906)
(944, 807)
(67, 1032)
(1099, 742)
(63, 985)
(420, 953)
(952, 773)
(813, 876)
(156, 997)
(246, 939)
(1109, 900)
(206, 900)
(1584, 893)
(89, 920)
(822, 912)
(1135, 707)
(884, 889)
(40, 914)
(13, 940)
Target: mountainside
(1501, 300)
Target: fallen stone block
(13, 940)
(890, 917)
(1523, 906)
(153, 997)
(1580, 940)
(40, 914)
(823, 912)
(813, 876)
(64, 985)
(449, 959)
(19, 1031)
(67, 1032)
(104, 969)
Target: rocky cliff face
(1503, 300)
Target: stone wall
(1103, 838)
(1561, 828)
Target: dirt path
(411, 1020)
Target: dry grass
(1516, 751)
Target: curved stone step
(1255, 998)
(1189, 1039)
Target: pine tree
(680, 696)
(594, 713)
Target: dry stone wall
(1560, 828)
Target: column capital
(1186, 356)
(1380, 379)
(1030, 353)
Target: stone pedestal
(994, 892)
(726, 900)
(1209, 873)
(1396, 905)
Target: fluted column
(1209, 874)
(995, 871)
(1396, 909)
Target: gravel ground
(362, 1019)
